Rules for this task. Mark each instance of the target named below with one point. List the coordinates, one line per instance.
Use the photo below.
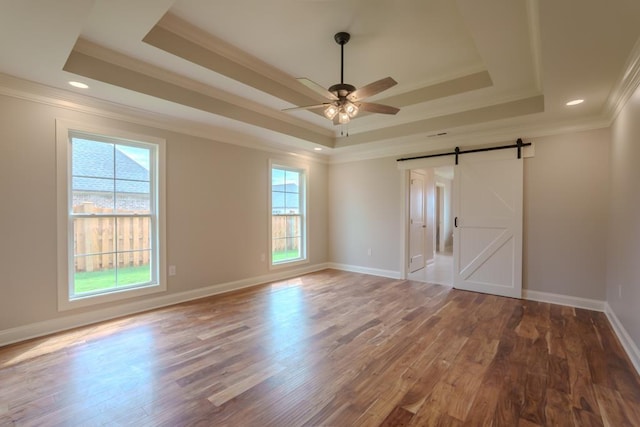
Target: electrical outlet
(172, 270)
(263, 257)
(369, 251)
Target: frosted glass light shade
(330, 112)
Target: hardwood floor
(329, 348)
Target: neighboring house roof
(96, 165)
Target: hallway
(440, 272)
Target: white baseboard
(33, 330)
(630, 347)
(366, 270)
(577, 302)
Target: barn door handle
(455, 222)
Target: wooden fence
(98, 235)
(285, 229)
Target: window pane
(292, 203)
(92, 158)
(277, 177)
(287, 239)
(278, 227)
(293, 226)
(133, 197)
(134, 233)
(94, 236)
(293, 248)
(277, 202)
(284, 250)
(292, 179)
(94, 273)
(132, 163)
(139, 272)
(92, 195)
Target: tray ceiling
(463, 67)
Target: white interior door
(417, 222)
(488, 225)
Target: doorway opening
(431, 225)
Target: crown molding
(626, 85)
(470, 135)
(35, 92)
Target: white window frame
(304, 173)
(65, 130)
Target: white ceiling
(499, 68)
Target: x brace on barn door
(457, 152)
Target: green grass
(105, 279)
(285, 255)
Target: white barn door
(488, 225)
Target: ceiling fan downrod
(342, 38)
(342, 89)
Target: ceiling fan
(344, 100)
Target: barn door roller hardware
(457, 152)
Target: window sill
(64, 303)
(286, 264)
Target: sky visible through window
(139, 155)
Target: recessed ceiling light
(79, 85)
(317, 148)
(575, 102)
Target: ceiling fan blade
(306, 107)
(372, 89)
(317, 88)
(377, 108)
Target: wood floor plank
(329, 348)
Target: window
(110, 204)
(288, 219)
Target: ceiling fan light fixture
(352, 109)
(343, 117)
(344, 100)
(330, 112)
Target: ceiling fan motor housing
(341, 90)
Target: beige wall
(565, 213)
(565, 208)
(623, 244)
(365, 212)
(217, 213)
